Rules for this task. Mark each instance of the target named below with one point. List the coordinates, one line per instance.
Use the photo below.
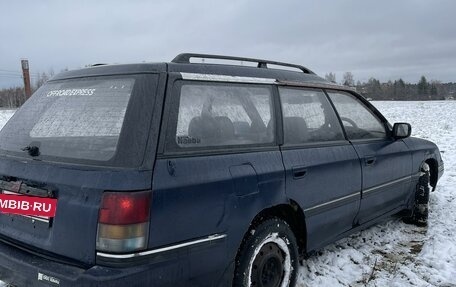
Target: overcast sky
(381, 39)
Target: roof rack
(185, 59)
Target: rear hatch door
(72, 140)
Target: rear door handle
(299, 172)
(370, 160)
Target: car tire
(420, 211)
(268, 256)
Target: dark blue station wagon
(199, 174)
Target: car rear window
(79, 118)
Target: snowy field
(5, 115)
(393, 253)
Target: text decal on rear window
(70, 92)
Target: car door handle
(299, 172)
(370, 160)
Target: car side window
(224, 115)
(308, 117)
(359, 122)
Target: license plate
(41, 208)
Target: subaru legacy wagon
(197, 174)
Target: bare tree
(41, 79)
(348, 79)
(331, 77)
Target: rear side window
(359, 121)
(224, 115)
(308, 117)
(80, 119)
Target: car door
(220, 162)
(385, 162)
(323, 174)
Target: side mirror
(401, 130)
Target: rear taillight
(123, 223)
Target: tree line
(15, 97)
(372, 89)
(398, 89)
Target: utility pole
(26, 76)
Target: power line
(10, 76)
(15, 76)
(10, 71)
(15, 72)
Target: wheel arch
(291, 213)
(434, 170)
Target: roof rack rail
(185, 59)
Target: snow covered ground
(5, 115)
(393, 253)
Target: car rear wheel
(268, 257)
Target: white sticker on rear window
(100, 115)
(70, 92)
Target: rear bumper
(203, 265)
